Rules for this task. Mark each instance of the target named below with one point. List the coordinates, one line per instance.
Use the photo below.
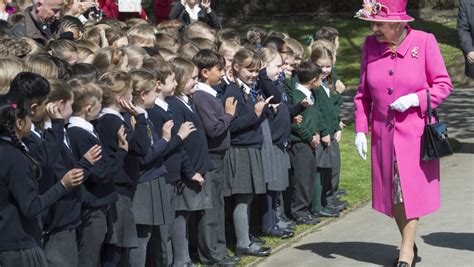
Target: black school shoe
(338, 205)
(340, 192)
(249, 251)
(228, 261)
(257, 240)
(308, 220)
(277, 232)
(327, 212)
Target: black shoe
(249, 251)
(340, 192)
(235, 258)
(286, 224)
(338, 205)
(308, 220)
(402, 264)
(277, 232)
(257, 240)
(327, 212)
(227, 261)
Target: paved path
(367, 238)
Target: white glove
(405, 102)
(361, 145)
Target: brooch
(414, 52)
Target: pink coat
(416, 66)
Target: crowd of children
(131, 144)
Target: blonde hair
(35, 47)
(84, 94)
(10, 68)
(246, 58)
(160, 68)
(199, 29)
(322, 44)
(166, 54)
(142, 35)
(183, 70)
(87, 44)
(229, 46)
(13, 46)
(62, 48)
(267, 55)
(188, 51)
(59, 91)
(135, 22)
(114, 83)
(93, 34)
(295, 46)
(142, 81)
(320, 52)
(203, 43)
(43, 65)
(108, 59)
(171, 27)
(83, 53)
(114, 35)
(167, 41)
(135, 55)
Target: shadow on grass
(460, 241)
(364, 252)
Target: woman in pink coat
(399, 66)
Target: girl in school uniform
(149, 206)
(64, 216)
(243, 161)
(194, 194)
(327, 155)
(98, 191)
(116, 99)
(160, 114)
(20, 201)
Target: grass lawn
(355, 178)
(352, 35)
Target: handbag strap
(429, 110)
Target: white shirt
(326, 89)
(83, 124)
(111, 111)
(185, 100)
(245, 86)
(192, 12)
(206, 88)
(33, 130)
(161, 103)
(305, 91)
(9, 139)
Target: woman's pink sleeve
(363, 99)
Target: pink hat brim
(398, 18)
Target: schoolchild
(327, 156)
(148, 208)
(160, 114)
(116, 99)
(99, 191)
(21, 202)
(64, 216)
(216, 120)
(194, 194)
(305, 136)
(227, 49)
(189, 11)
(243, 166)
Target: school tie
(66, 140)
(281, 77)
(149, 129)
(39, 131)
(254, 93)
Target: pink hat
(384, 11)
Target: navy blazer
(465, 28)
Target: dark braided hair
(12, 107)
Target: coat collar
(403, 48)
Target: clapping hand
(94, 154)
(129, 107)
(167, 130)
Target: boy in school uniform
(304, 138)
(216, 121)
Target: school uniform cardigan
(195, 145)
(215, 121)
(173, 154)
(245, 130)
(152, 165)
(327, 109)
(100, 189)
(126, 178)
(311, 124)
(20, 202)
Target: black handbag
(435, 142)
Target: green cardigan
(312, 121)
(329, 109)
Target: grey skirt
(121, 227)
(32, 257)
(151, 204)
(268, 157)
(281, 166)
(243, 171)
(191, 196)
(327, 156)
